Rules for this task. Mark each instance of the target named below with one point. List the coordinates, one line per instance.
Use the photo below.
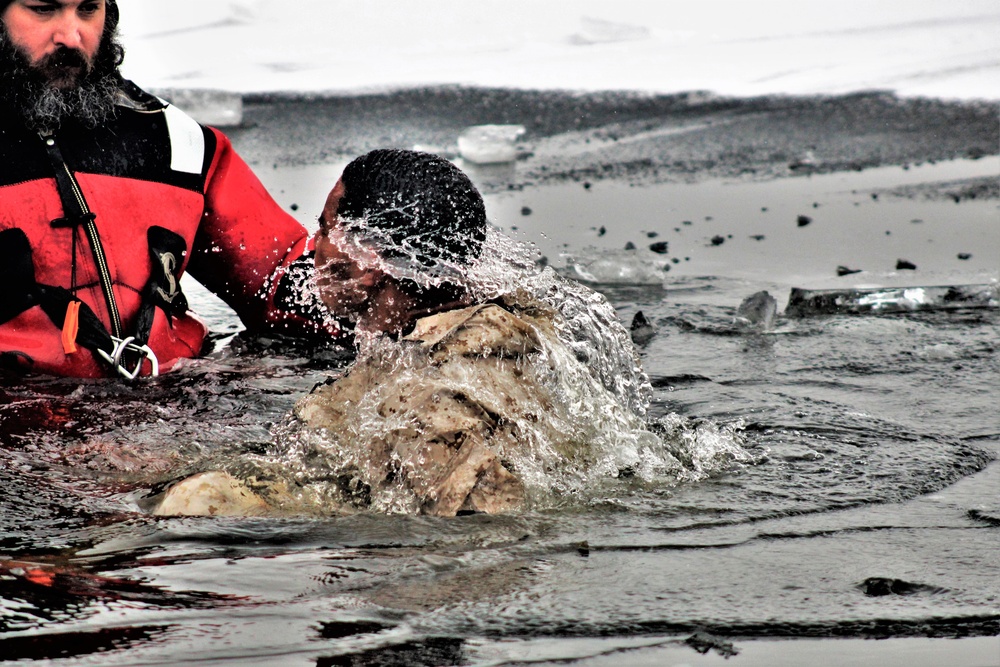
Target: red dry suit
(97, 226)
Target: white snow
(938, 48)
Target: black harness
(78, 322)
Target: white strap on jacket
(187, 143)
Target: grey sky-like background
(936, 48)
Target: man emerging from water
(108, 196)
(464, 391)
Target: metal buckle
(128, 345)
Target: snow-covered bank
(912, 47)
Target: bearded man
(108, 196)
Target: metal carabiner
(128, 344)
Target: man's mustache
(65, 58)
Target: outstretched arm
(254, 255)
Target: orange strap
(71, 326)
(39, 575)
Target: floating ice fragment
(939, 352)
(600, 31)
(804, 302)
(757, 311)
(218, 108)
(617, 267)
(489, 144)
(641, 329)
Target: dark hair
(110, 34)
(425, 207)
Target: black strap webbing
(74, 205)
(77, 212)
(21, 291)
(91, 334)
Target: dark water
(871, 508)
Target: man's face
(345, 284)
(350, 285)
(59, 38)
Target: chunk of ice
(804, 302)
(218, 108)
(616, 267)
(600, 31)
(489, 144)
(757, 311)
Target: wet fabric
(453, 432)
(450, 419)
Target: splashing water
(572, 413)
(588, 324)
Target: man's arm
(254, 255)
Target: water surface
(868, 510)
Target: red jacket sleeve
(245, 246)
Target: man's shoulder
(481, 330)
(135, 98)
(191, 145)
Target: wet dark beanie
(420, 201)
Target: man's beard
(61, 86)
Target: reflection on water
(872, 441)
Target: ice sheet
(914, 47)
